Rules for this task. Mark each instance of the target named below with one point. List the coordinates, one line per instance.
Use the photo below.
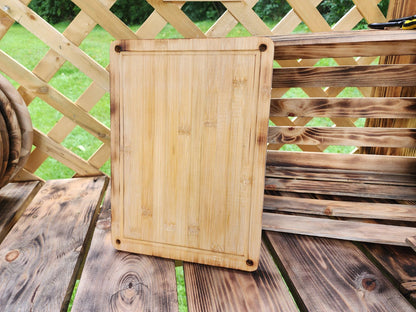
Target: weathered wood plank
(345, 76)
(216, 289)
(344, 107)
(346, 230)
(385, 137)
(14, 198)
(342, 188)
(377, 163)
(332, 275)
(344, 44)
(337, 208)
(411, 241)
(128, 282)
(40, 255)
(352, 176)
(398, 263)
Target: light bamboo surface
(189, 120)
(65, 47)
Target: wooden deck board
(411, 241)
(14, 198)
(216, 289)
(339, 208)
(127, 282)
(399, 263)
(40, 255)
(340, 229)
(332, 275)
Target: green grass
(72, 83)
(180, 282)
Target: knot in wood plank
(368, 282)
(132, 292)
(12, 255)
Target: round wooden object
(4, 146)
(15, 137)
(23, 117)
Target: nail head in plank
(136, 282)
(333, 275)
(216, 289)
(39, 256)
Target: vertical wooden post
(397, 8)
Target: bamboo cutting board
(189, 131)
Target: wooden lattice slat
(65, 47)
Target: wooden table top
(55, 233)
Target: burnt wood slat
(346, 230)
(217, 289)
(333, 275)
(346, 136)
(14, 198)
(375, 163)
(411, 241)
(338, 208)
(340, 188)
(344, 107)
(40, 255)
(345, 76)
(352, 176)
(344, 44)
(126, 282)
(399, 263)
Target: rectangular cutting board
(189, 120)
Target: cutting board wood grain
(189, 133)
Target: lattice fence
(65, 47)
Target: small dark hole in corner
(249, 262)
(262, 47)
(118, 49)
(118, 242)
